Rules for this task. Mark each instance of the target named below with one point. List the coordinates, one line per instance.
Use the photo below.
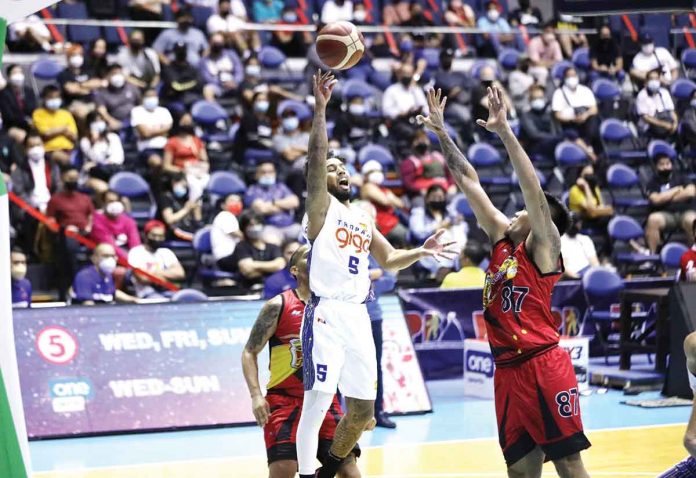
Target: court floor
(457, 440)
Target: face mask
(538, 104)
(653, 86)
(648, 49)
(572, 82)
(493, 15)
(420, 148)
(664, 174)
(376, 177)
(359, 15)
(406, 81)
(70, 185)
(117, 80)
(150, 103)
(36, 153)
(54, 103)
(187, 129)
(17, 79)
(253, 70)
(114, 208)
(216, 47)
(180, 56)
(18, 272)
(267, 180)
(290, 17)
(76, 61)
(235, 208)
(446, 65)
(180, 190)
(291, 123)
(573, 230)
(136, 47)
(438, 205)
(254, 232)
(356, 109)
(107, 265)
(154, 243)
(591, 179)
(185, 25)
(98, 127)
(261, 106)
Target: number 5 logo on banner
(56, 345)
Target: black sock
(307, 476)
(330, 466)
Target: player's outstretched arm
(395, 260)
(491, 220)
(317, 193)
(263, 329)
(690, 352)
(544, 239)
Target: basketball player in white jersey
(337, 344)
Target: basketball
(340, 45)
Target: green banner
(3, 33)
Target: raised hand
(432, 247)
(323, 85)
(435, 121)
(497, 112)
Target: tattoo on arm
(456, 161)
(264, 326)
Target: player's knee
(282, 469)
(360, 412)
(570, 466)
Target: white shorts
(338, 349)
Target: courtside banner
(106, 369)
(12, 10)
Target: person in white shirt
(402, 102)
(655, 108)
(30, 34)
(578, 252)
(225, 233)
(650, 58)
(151, 123)
(575, 107)
(155, 259)
(140, 64)
(230, 21)
(336, 11)
(102, 153)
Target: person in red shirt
(386, 203)
(73, 211)
(687, 269)
(536, 392)
(424, 168)
(278, 324)
(185, 153)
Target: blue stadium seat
(688, 62)
(624, 187)
(301, 109)
(601, 287)
(189, 295)
(671, 254)
(354, 88)
(569, 155)
(77, 33)
(462, 206)
(605, 90)
(271, 57)
(623, 229)
(135, 188)
(581, 59)
(214, 121)
(46, 69)
(432, 58)
(478, 64)
(682, 89)
(113, 39)
(508, 58)
(489, 163)
(222, 183)
(558, 70)
(200, 16)
(657, 146)
(619, 142)
(379, 153)
(204, 249)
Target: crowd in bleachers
(181, 150)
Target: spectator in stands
(540, 132)
(526, 15)
(116, 101)
(672, 201)
(498, 32)
(275, 203)
(95, 60)
(193, 40)
(78, 83)
(479, 96)
(140, 63)
(21, 287)
(35, 178)
(225, 233)
(156, 260)
(606, 59)
(253, 259)
(282, 280)
(29, 35)
(222, 70)
(253, 85)
(17, 103)
(336, 11)
(428, 219)
(94, 284)
(385, 201)
(73, 211)
(544, 52)
(182, 215)
(356, 127)
(575, 107)
(147, 10)
(267, 11)
(255, 128)
(291, 141)
(102, 153)
(519, 82)
(651, 58)
(578, 251)
(460, 14)
(586, 201)
(655, 108)
(151, 123)
(687, 269)
(113, 226)
(185, 153)
(470, 273)
(688, 123)
(456, 86)
(230, 20)
(571, 40)
(424, 168)
(56, 126)
(9, 152)
(402, 102)
(292, 44)
(181, 81)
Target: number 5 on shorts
(321, 372)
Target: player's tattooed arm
(265, 325)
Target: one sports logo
(479, 362)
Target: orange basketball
(340, 45)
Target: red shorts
(281, 430)
(537, 404)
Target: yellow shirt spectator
(577, 201)
(46, 120)
(467, 277)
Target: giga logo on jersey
(350, 235)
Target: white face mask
(291, 123)
(653, 86)
(114, 208)
(493, 15)
(359, 15)
(356, 109)
(76, 61)
(98, 127)
(261, 106)
(17, 79)
(36, 153)
(18, 272)
(253, 70)
(107, 265)
(572, 82)
(648, 49)
(538, 104)
(54, 103)
(117, 80)
(151, 102)
(376, 177)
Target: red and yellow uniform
(536, 392)
(688, 265)
(286, 391)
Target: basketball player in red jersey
(279, 412)
(687, 263)
(536, 392)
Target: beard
(341, 195)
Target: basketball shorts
(338, 349)
(684, 469)
(280, 432)
(537, 403)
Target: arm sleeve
(205, 73)
(133, 234)
(81, 288)
(116, 149)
